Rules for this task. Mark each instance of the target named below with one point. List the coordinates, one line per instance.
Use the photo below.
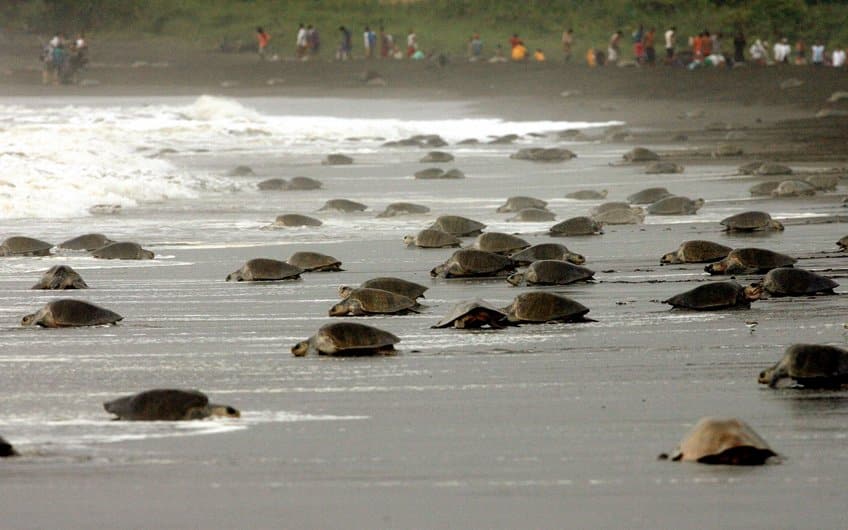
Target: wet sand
(546, 426)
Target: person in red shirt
(514, 40)
(706, 44)
(648, 46)
(697, 47)
(262, 39)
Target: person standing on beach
(345, 46)
(739, 44)
(386, 43)
(313, 40)
(567, 44)
(411, 43)
(475, 48)
(262, 39)
(638, 46)
(366, 43)
(837, 57)
(648, 46)
(300, 42)
(818, 53)
(800, 52)
(670, 43)
(614, 49)
(47, 70)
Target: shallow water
(541, 426)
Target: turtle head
(719, 267)
(408, 240)
(697, 204)
(598, 226)
(575, 258)
(670, 258)
(345, 290)
(235, 276)
(146, 254)
(438, 270)
(772, 376)
(604, 193)
(753, 292)
(340, 309)
(33, 318)
(223, 411)
(774, 224)
(515, 279)
(301, 348)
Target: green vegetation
(443, 25)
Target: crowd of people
(380, 44)
(62, 59)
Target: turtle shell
(723, 441)
(640, 154)
(576, 226)
(374, 301)
(750, 167)
(764, 188)
(547, 251)
(472, 314)
(303, 184)
(811, 365)
(608, 207)
(770, 168)
(587, 195)
(750, 261)
(697, 251)
(343, 205)
(403, 208)
(431, 238)
(264, 269)
(620, 216)
(24, 246)
(122, 250)
(274, 184)
(436, 157)
(648, 196)
(532, 215)
(458, 226)
(661, 167)
(71, 313)
(675, 205)
(336, 159)
(823, 182)
(350, 338)
(159, 405)
(296, 219)
(60, 277)
(794, 188)
(499, 243)
(514, 204)
(86, 242)
(785, 281)
(314, 262)
(537, 307)
(711, 296)
(396, 285)
(747, 221)
(556, 272)
(474, 263)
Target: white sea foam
(58, 161)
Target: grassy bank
(441, 25)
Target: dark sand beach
(538, 426)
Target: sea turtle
(764, 189)
(458, 226)
(722, 150)
(314, 262)
(274, 184)
(587, 195)
(542, 306)
(24, 246)
(716, 295)
(436, 157)
(532, 215)
(722, 441)
(676, 205)
(399, 286)
(576, 226)
(504, 139)
(241, 171)
(789, 281)
(543, 154)
(343, 205)
(291, 220)
(696, 251)
(303, 184)
(810, 365)
(499, 243)
(86, 242)
(640, 154)
(547, 251)
(470, 263)
(70, 313)
(453, 174)
(167, 404)
(794, 188)
(369, 301)
(750, 261)
(430, 238)
(347, 339)
(431, 173)
(750, 221)
(473, 314)
(122, 250)
(770, 168)
(621, 216)
(609, 206)
(748, 168)
(648, 196)
(823, 182)
(843, 243)
(60, 277)
(515, 204)
(551, 272)
(662, 167)
(336, 159)
(6, 449)
(264, 269)
(403, 208)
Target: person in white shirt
(366, 42)
(670, 42)
(300, 52)
(838, 57)
(817, 54)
